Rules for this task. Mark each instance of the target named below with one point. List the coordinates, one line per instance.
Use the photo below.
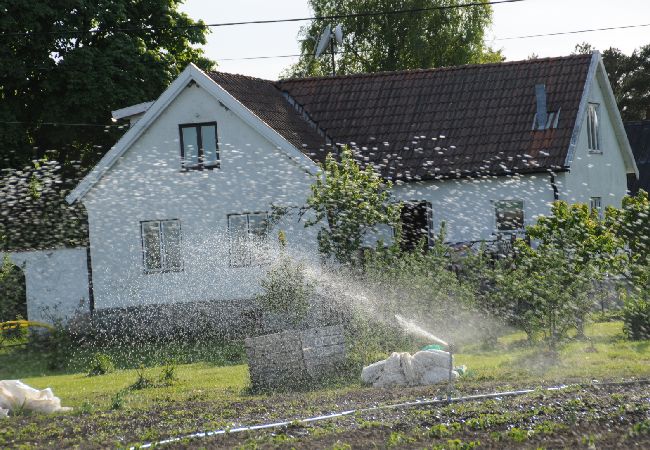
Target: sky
(509, 20)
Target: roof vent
(542, 112)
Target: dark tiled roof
(638, 133)
(269, 104)
(485, 112)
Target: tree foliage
(416, 40)
(351, 201)
(629, 76)
(581, 236)
(33, 211)
(55, 70)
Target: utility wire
(559, 33)
(262, 22)
(56, 124)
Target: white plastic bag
(15, 395)
(404, 369)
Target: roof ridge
(436, 69)
(239, 75)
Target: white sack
(15, 395)
(403, 369)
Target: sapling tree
(632, 224)
(348, 202)
(586, 249)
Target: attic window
(593, 126)
(552, 120)
(199, 145)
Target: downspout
(91, 292)
(556, 193)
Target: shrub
(100, 364)
(636, 317)
(12, 287)
(286, 290)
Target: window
(199, 145)
(595, 204)
(593, 131)
(509, 215)
(161, 245)
(416, 218)
(248, 238)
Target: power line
(560, 33)
(56, 124)
(262, 22)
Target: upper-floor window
(199, 145)
(248, 234)
(593, 126)
(509, 215)
(161, 245)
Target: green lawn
(210, 395)
(607, 355)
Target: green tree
(587, 250)
(350, 201)
(582, 237)
(632, 224)
(416, 40)
(54, 69)
(629, 76)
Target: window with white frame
(596, 204)
(199, 145)
(161, 245)
(593, 126)
(509, 215)
(248, 234)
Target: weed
(641, 428)
(442, 430)
(338, 445)
(168, 375)
(457, 444)
(85, 408)
(117, 402)
(518, 434)
(142, 382)
(398, 439)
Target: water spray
(416, 330)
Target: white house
(181, 209)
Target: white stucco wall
(56, 282)
(596, 174)
(148, 184)
(467, 206)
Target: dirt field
(605, 416)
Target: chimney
(542, 112)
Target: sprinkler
(419, 331)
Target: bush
(636, 318)
(12, 288)
(100, 364)
(286, 290)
